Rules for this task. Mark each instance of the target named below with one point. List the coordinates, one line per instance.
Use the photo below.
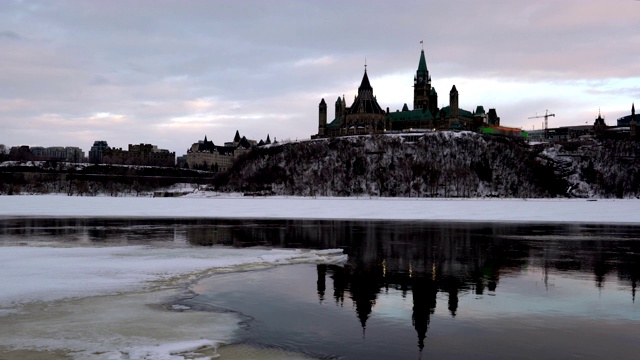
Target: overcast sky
(170, 72)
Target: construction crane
(546, 121)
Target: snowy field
(92, 302)
(212, 205)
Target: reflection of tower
(452, 285)
(424, 292)
(321, 284)
(453, 301)
(600, 271)
(339, 283)
(364, 290)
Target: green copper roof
(334, 123)
(446, 112)
(410, 115)
(422, 66)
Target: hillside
(440, 164)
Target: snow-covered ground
(213, 205)
(106, 302)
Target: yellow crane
(546, 121)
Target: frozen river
(116, 288)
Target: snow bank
(212, 205)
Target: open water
(410, 290)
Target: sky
(170, 72)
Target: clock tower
(421, 85)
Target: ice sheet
(107, 302)
(213, 205)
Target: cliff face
(440, 164)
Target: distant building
(140, 154)
(53, 153)
(181, 161)
(206, 155)
(626, 120)
(20, 153)
(599, 126)
(97, 150)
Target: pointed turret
(633, 126)
(268, 140)
(205, 138)
(453, 102)
(365, 85)
(237, 138)
(322, 118)
(365, 101)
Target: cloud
(11, 35)
(177, 71)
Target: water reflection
(421, 261)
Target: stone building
(366, 116)
(139, 154)
(206, 155)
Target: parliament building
(366, 116)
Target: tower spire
(422, 65)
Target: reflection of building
(431, 264)
(366, 116)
